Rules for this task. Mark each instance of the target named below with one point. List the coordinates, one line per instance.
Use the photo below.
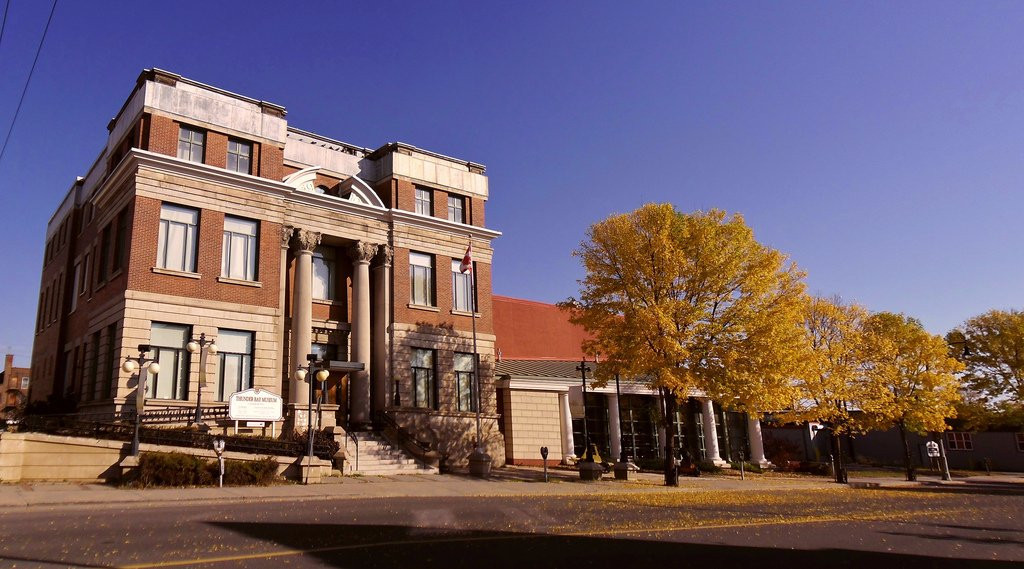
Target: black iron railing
(402, 436)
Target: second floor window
(455, 209)
(168, 348)
(421, 273)
(238, 257)
(191, 143)
(239, 156)
(462, 291)
(176, 245)
(324, 273)
(424, 202)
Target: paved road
(799, 527)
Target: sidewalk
(1001, 483)
(508, 481)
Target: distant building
(15, 382)
(540, 393)
(207, 213)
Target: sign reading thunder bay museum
(255, 405)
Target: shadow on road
(340, 545)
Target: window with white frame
(239, 156)
(235, 350)
(959, 441)
(191, 142)
(421, 273)
(464, 384)
(462, 289)
(167, 347)
(424, 202)
(324, 273)
(455, 209)
(74, 287)
(424, 392)
(24, 383)
(176, 245)
(238, 255)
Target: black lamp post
(587, 453)
(622, 435)
(315, 371)
(203, 347)
(140, 364)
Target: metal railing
(402, 436)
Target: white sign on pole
(255, 405)
(933, 449)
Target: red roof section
(530, 330)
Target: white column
(568, 445)
(302, 320)
(282, 330)
(756, 443)
(614, 428)
(362, 253)
(662, 433)
(381, 321)
(707, 412)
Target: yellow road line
(594, 532)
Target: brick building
(206, 213)
(15, 382)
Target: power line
(3, 24)
(28, 80)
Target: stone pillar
(707, 412)
(379, 371)
(614, 428)
(302, 320)
(756, 444)
(282, 330)
(359, 412)
(568, 444)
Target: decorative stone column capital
(286, 235)
(387, 255)
(306, 240)
(363, 252)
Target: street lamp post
(139, 364)
(588, 455)
(203, 347)
(315, 370)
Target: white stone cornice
(438, 224)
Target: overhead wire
(3, 24)
(28, 79)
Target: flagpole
(476, 355)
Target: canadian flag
(467, 261)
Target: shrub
(781, 451)
(178, 469)
(709, 467)
(320, 437)
(748, 466)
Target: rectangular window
(239, 156)
(167, 343)
(238, 256)
(421, 271)
(191, 143)
(424, 202)
(1020, 442)
(121, 240)
(464, 382)
(103, 265)
(424, 389)
(235, 349)
(90, 382)
(83, 284)
(325, 273)
(74, 287)
(179, 229)
(24, 383)
(462, 289)
(959, 441)
(326, 353)
(110, 367)
(455, 209)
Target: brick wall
(532, 422)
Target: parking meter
(218, 447)
(544, 455)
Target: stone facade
(333, 226)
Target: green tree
(693, 303)
(991, 346)
(910, 379)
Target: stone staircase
(371, 454)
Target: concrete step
(378, 457)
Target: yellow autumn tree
(691, 303)
(830, 382)
(991, 345)
(910, 380)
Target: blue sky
(881, 145)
